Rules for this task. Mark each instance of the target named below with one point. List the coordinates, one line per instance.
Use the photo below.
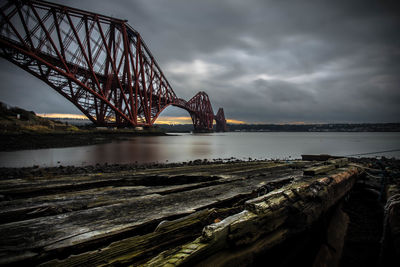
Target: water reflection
(186, 147)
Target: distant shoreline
(323, 127)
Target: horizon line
(182, 120)
(160, 119)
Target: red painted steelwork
(99, 63)
(220, 121)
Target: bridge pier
(220, 121)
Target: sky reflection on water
(186, 147)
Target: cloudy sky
(263, 61)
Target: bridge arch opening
(173, 115)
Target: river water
(186, 147)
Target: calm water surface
(186, 147)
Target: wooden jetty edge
(213, 214)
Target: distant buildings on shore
(330, 127)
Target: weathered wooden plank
(283, 213)
(339, 162)
(161, 176)
(219, 168)
(78, 227)
(65, 184)
(319, 169)
(134, 249)
(23, 209)
(50, 201)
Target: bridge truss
(99, 63)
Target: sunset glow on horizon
(160, 120)
(62, 116)
(167, 119)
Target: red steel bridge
(99, 63)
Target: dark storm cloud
(280, 91)
(263, 61)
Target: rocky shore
(36, 171)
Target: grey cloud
(327, 61)
(279, 91)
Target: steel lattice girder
(99, 63)
(220, 121)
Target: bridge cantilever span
(99, 63)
